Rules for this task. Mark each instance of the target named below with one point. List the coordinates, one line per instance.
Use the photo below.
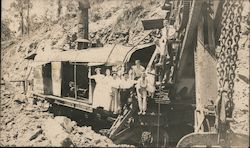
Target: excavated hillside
(25, 122)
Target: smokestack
(83, 24)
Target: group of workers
(113, 90)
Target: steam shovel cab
(57, 71)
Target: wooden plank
(85, 100)
(75, 79)
(90, 87)
(77, 104)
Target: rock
(8, 127)
(36, 134)
(30, 108)
(6, 93)
(31, 101)
(45, 106)
(20, 98)
(9, 121)
(15, 135)
(243, 78)
(36, 117)
(74, 132)
(66, 123)
(67, 142)
(43, 138)
(97, 141)
(27, 113)
(73, 123)
(56, 133)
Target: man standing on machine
(141, 89)
(126, 87)
(138, 69)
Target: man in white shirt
(141, 89)
(138, 69)
(126, 86)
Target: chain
(227, 55)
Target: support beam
(90, 87)
(75, 79)
(190, 35)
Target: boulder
(65, 123)
(44, 106)
(56, 133)
(30, 108)
(35, 134)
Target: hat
(96, 69)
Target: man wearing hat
(138, 69)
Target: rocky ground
(25, 122)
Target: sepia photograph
(125, 73)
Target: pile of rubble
(26, 122)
